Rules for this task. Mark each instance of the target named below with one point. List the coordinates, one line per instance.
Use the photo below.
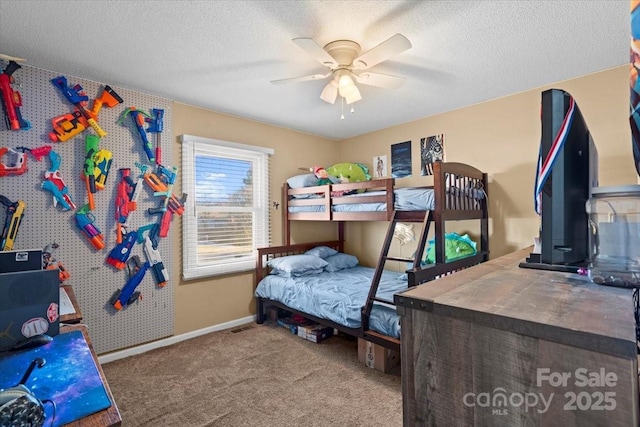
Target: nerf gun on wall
(50, 263)
(128, 295)
(77, 97)
(174, 207)
(17, 160)
(139, 117)
(160, 273)
(13, 218)
(85, 222)
(120, 253)
(69, 125)
(54, 183)
(160, 187)
(97, 163)
(11, 100)
(126, 200)
(156, 125)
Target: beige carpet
(261, 376)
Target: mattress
(339, 296)
(406, 199)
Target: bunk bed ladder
(384, 257)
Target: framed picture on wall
(401, 160)
(379, 166)
(431, 150)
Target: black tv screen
(564, 230)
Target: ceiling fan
(346, 63)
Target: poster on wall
(379, 166)
(431, 150)
(401, 160)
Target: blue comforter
(339, 296)
(406, 199)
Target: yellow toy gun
(97, 163)
(102, 161)
(13, 218)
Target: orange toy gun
(161, 188)
(50, 263)
(70, 125)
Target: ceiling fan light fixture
(346, 63)
(348, 90)
(330, 92)
(353, 96)
(345, 83)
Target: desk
(106, 417)
(76, 316)
(486, 345)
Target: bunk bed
(459, 192)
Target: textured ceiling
(222, 55)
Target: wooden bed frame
(456, 189)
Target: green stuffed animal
(349, 172)
(455, 247)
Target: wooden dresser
(499, 345)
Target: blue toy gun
(54, 183)
(169, 176)
(156, 124)
(120, 253)
(128, 294)
(139, 118)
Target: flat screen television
(564, 231)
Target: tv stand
(533, 261)
(478, 343)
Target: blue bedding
(406, 199)
(339, 296)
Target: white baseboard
(116, 355)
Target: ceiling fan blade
(315, 50)
(385, 50)
(301, 78)
(380, 80)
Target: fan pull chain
(342, 101)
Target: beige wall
(212, 301)
(500, 137)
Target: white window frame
(191, 145)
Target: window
(227, 209)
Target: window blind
(227, 209)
